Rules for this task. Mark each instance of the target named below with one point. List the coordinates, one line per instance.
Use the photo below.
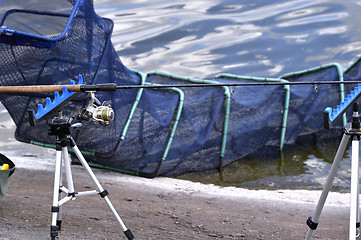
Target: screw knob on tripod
(355, 116)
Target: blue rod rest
(331, 115)
(51, 106)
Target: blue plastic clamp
(331, 115)
(51, 106)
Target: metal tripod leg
(312, 222)
(58, 188)
(58, 221)
(54, 228)
(69, 177)
(358, 208)
(354, 188)
(103, 193)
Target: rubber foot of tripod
(54, 231)
(58, 224)
(129, 234)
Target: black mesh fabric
(308, 101)
(87, 50)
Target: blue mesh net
(166, 131)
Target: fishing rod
(110, 87)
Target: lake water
(255, 38)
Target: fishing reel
(97, 111)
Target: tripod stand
(60, 127)
(353, 131)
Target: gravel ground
(164, 208)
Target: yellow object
(5, 166)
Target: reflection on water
(303, 166)
(263, 38)
(254, 38)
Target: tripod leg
(103, 193)
(354, 188)
(70, 185)
(358, 205)
(55, 207)
(69, 176)
(312, 222)
(58, 221)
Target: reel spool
(101, 113)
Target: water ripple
(203, 38)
